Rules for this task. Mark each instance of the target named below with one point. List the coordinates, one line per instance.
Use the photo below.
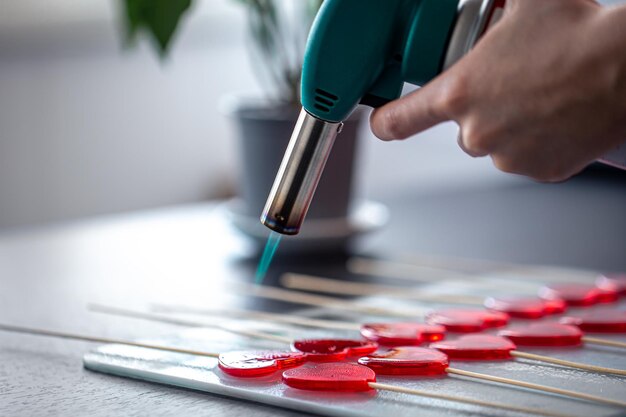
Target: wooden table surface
(186, 254)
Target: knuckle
(506, 164)
(475, 142)
(454, 96)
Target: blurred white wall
(87, 128)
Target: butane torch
(362, 52)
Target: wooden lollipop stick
(479, 266)
(160, 318)
(261, 315)
(449, 270)
(569, 364)
(415, 273)
(188, 323)
(603, 342)
(454, 263)
(544, 273)
(97, 339)
(405, 270)
(529, 385)
(412, 391)
(300, 297)
(333, 286)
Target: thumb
(418, 110)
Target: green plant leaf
(159, 18)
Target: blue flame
(268, 254)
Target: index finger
(418, 110)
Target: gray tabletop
(184, 254)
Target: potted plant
(277, 32)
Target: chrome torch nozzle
(299, 173)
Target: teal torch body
(362, 52)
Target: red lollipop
(612, 282)
(331, 377)
(577, 295)
(523, 308)
(607, 295)
(418, 361)
(475, 346)
(251, 364)
(599, 321)
(544, 334)
(319, 350)
(402, 334)
(467, 320)
(556, 306)
(487, 347)
(351, 377)
(407, 361)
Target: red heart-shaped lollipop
(578, 295)
(251, 364)
(402, 334)
(330, 377)
(519, 307)
(407, 360)
(544, 334)
(467, 320)
(476, 347)
(599, 321)
(607, 295)
(556, 306)
(321, 350)
(612, 282)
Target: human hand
(543, 92)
